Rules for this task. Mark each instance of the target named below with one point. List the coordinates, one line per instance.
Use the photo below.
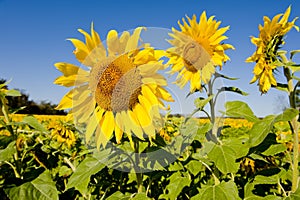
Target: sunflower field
(116, 143)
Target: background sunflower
(271, 37)
(197, 50)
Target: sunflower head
(62, 132)
(197, 48)
(270, 40)
(120, 90)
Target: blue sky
(33, 38)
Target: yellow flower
(119, 90)
(271, 36)
(4, 132)
(62, 133)
(197, 50)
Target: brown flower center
(119, 85)
(195, 56)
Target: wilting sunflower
(120, 90)
(197, 50)
(62, 132)
(271, 37)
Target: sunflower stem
(213, 134)
(139, 175)
(7, 119)
(295, 129)
(211, 102)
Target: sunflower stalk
(295, 129)
(5, 112)
(213, 134)
(211, 102)
(139, 176)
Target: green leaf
(201, 102)
(158, 159)
(278, 63)
(295, 68)
(275, 149)
(89, 166)
(207, 147)
(176, 166)
(260, 130)
(259, 179)
(287, 115)
(249, 187)
(194, 167)
(248, 194)
(4, 84)
(233, 89)
(240, 109)
(268, 197)
(294, 196)
(34, 123)
(224, 158)
(296, 78)
(64, 171)
(118, 196)
(13, 93)
(140, 196)
(294, 52)
(240, 148)
(258, 157)
(178, 181)
(225, 190)
(42, 188)
(7, 153)
(282, 87)
(202, 130)
(217, 75)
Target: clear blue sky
(33, 37)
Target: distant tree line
(22, 105)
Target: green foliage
(178, 181)
(224, 158)
(88, 167)
(242, 163)
(233, 89)
(43, 187)
(8, 152)
(224, 190)
(34, 123)
(240, 110)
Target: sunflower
(62, 132)
(271, 37)
(197, 50)
(117, 90)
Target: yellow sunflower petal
(91, 127)
(119, 127)
(132, 43)
(127, 129)
(88, 40)
(134, 124)
(286, 15)
(112, 42)
(108, 124)
(144, 119)
(69, 69)
(66, 102)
